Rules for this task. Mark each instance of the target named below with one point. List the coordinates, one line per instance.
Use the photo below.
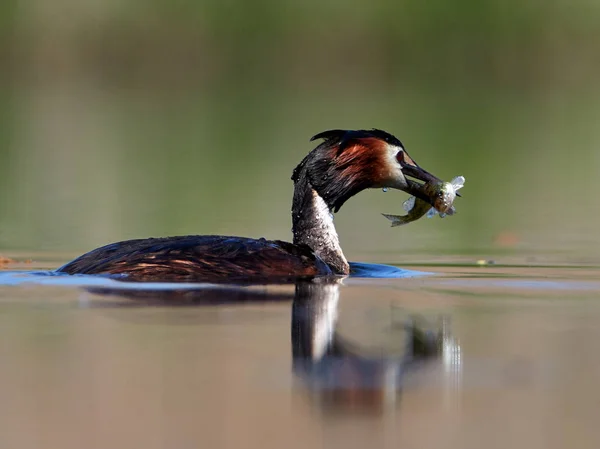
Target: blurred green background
(125, 119)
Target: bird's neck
(312, 225)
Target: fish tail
(395, 219)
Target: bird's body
(340, 167)
(210, 258)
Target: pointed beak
(420, 190)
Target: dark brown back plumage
(201, 259)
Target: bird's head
(347, 162)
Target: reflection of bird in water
(346, 163)
(335, 370)
(338, 373)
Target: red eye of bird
(404, 159)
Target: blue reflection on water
(359, 270)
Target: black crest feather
(346, 137)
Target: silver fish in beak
(442, 196)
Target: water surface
(361, 362)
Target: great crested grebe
(345, 163)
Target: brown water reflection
(335, 371)
(79, 370)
